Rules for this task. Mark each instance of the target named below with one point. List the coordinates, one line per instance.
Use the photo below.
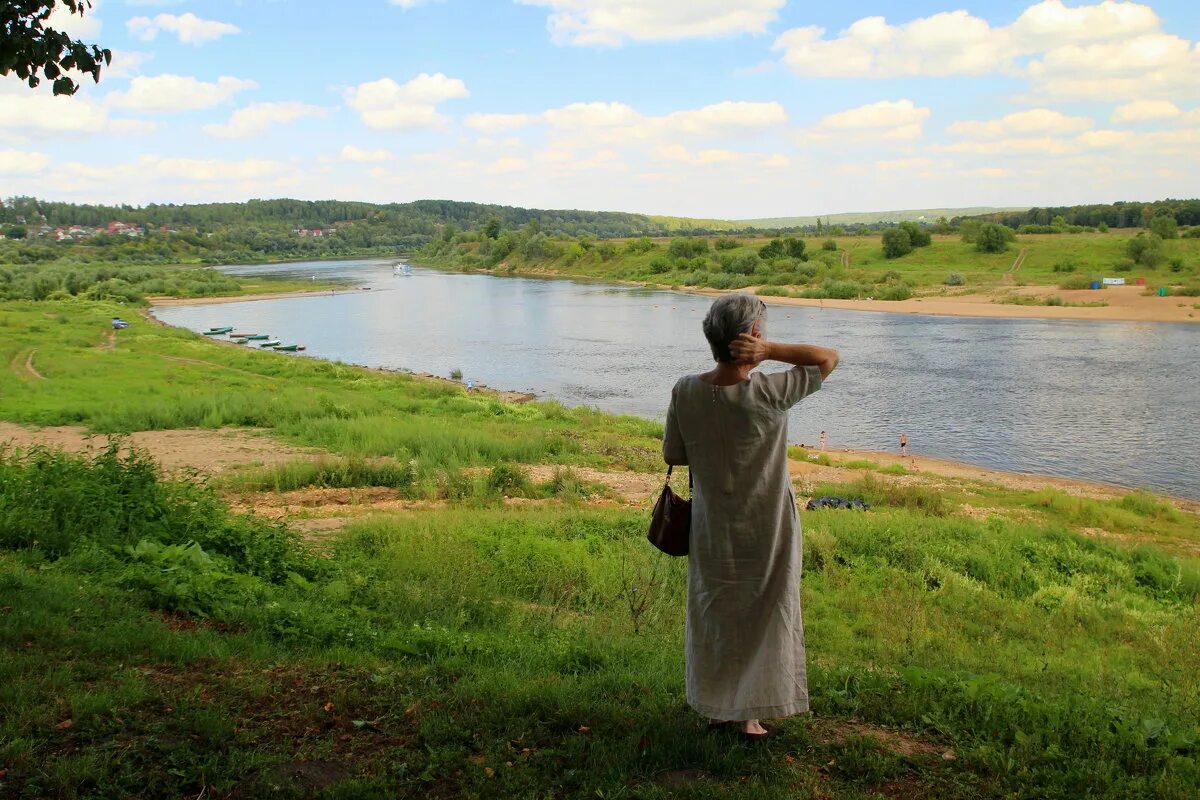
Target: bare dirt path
(32, 370)
(209, 451)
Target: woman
(745, 636)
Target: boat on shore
(258, 337)
(289, 348)
(238, 335)
(239, 340)
(271, 343)
(220, 331)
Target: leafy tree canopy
(28, 47)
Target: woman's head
(729, 317)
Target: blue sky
(689, 107)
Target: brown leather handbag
(671, 522)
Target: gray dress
(745, 635)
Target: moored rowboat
(218, 331)
(289, 348)
(260, 337)
(271, 343)
(236, 335)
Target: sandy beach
(160, 301)
(1125, 304)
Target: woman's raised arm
(752, 349)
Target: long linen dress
(745, 635)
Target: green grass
(494, 652)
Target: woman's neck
(725, 374)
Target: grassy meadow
(842, 267)
(515, 638)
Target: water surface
(1106, 401)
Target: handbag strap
(670, 468)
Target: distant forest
(1114, 215)
(422, 219)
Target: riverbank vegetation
(980, 258)
(487, 632)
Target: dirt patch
(904, 743)
(109, 342)
(22, 365)
(632, 487)
(30, 370)
(207, 451)
(681, 778)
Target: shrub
(1124, 265)
(642, 244)
(917, 235)
(456, 374)
(659, 265)
(842, 290)
(772, 250)
(686, 248)
(1066, 265)
(1146, 249)
(894, 291)
(794, 248)
(1102, 227)
(993, 238)
(830, 245)
(1176, 265)
(772, 291)
(1192, 232)
(896, 243)
(745, 264)
(1192, 290)
(509, 480)
(1053, 300)
(725, 243)
(1076, 282)
(1165, 227)
(955, 279)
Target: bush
(509, 480)
(1124, 265)
(1066, 265)
(659, 265)
(830, 245)
(894, 291)
(744, 264)
(642, 244)
(686, 248)
(1076, 282)
(58, 502)
(917, 235)
(842, 290)
(955, 279)
(1176, 265)
(1192, 232)
(1192, 290)
(725, 243)
(1165, 227)
(1054, 300)
(772, 250)
(896, 243)
(1146, 249)
(993, 238)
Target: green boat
(258, 337)
(289, 348)
(240, 340)
(218, 331)
(271, 343)
(238, 335)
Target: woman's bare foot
(753, 727)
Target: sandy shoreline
(1125, 304)
(160, 301)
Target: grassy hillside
(854, 266)
(504, 637)
(929, 215)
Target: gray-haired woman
(745, 635)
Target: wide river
(1106, 401)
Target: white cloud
(1106, 139)
(386, 104)
(256, 118)
(189, 28)
(503, 166)
(168, 93)
(211, 170)
(1143, 110)
(725, 116)
(1107, 49)
(1036, 146)
(886, 120)
(612, 22)
(18, 162)
(362, 156)
(26, 114)
(904, 164)
(85, 26)
(1034, 121)
(497, 123)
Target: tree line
(1124, 214)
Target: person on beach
(903, 443)
(824, 441)
(745, 634)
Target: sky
(730, 109)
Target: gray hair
(729, 317)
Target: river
(1105, 401)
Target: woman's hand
(750, 348)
